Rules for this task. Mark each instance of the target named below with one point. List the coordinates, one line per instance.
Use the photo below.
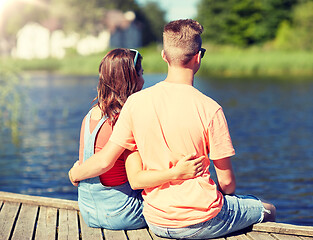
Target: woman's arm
(188, 167)
(225, 175)
(97, 164)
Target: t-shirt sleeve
(220, 144)
(122, 132)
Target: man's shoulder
(143, 93)
(205, 99)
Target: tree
(297, 33)
(242, 22)
(17, 13)
(155, 22)
(303, 24)
(84, 16)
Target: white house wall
(33, 41)
(91, 44)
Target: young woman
(107, 200)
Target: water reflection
(270, 123)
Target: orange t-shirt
(166, 122)
(117, 174)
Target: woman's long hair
(118, 79)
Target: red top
(117, 174)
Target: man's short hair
(181, 40)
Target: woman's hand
(189, 167)
(70, 175)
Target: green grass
(223, 62)
(257, 62)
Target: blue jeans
(238, 212)
(115, 208)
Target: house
(47, 39)
(33, 41)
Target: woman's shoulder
(96, 113)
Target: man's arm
(188, 167)
(225, 175)
(97, 164)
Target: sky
(176, 9)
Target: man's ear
(163, 56)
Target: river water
(271, 124)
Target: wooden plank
(283, 228)
(238, 237)
(306, 238)
(139, 234)
(8, 215)
(46, 224)
(25, 223)
(260, 236)
(89, 233)
(68, 225)
(36, 200)
(285, 237)
(114, 235)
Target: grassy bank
(230, 62)
(219, 62)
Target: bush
(297, 35)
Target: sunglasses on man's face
(136, 56)
(202, 52)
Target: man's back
(168, 121)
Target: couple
(165, 136)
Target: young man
(170, 120)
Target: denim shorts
(115, 208)
(238, 212)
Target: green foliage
(152, 60)
(242, 22)
(18, 14)
(298, 34)
(303, 24)
(256, 62)
(153, 29)
(285, 37)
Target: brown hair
(118, 79)
(181, 40)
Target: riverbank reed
(226, 62)
(232, 62)
(10, 101)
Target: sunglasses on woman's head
(136, 55)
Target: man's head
(181, 41)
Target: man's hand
(189, 167)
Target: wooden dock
(31, 217)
